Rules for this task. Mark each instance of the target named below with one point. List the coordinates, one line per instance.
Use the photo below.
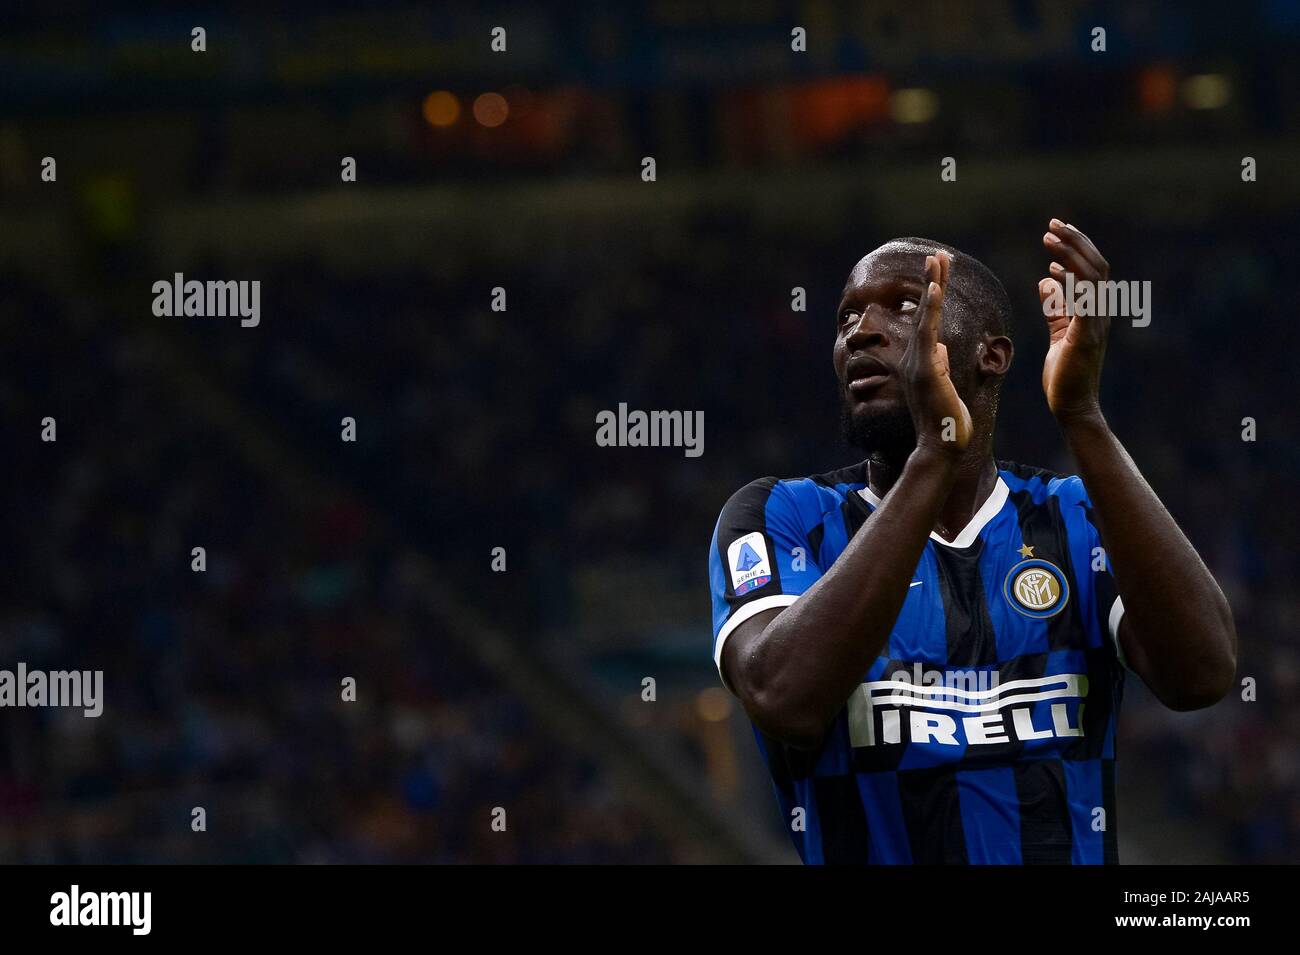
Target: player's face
(876, 317)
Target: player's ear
(994, 355)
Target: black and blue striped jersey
(985, 730)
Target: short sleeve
(760, 558)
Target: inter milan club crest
(1036, 588)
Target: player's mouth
(865, 375)
(861, 386)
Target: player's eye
(849, 315)
(908, 304)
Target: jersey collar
(988, 510)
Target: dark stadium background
(476, 428)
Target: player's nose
(868, 329)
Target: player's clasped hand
(941, 418)
(1072, 370)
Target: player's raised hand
(1072, 370)
(941, 418)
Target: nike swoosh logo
(916, 583)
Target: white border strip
(740, 616)
(988, 510)
(1117, 614)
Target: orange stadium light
(1157, 89)
(441, 109)
(491, 109)
(828, 110)
(713, 704)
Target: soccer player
(931, 644)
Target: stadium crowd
(475, 429)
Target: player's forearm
(1176, 617)
(810, 658)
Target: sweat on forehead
(911, 247)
